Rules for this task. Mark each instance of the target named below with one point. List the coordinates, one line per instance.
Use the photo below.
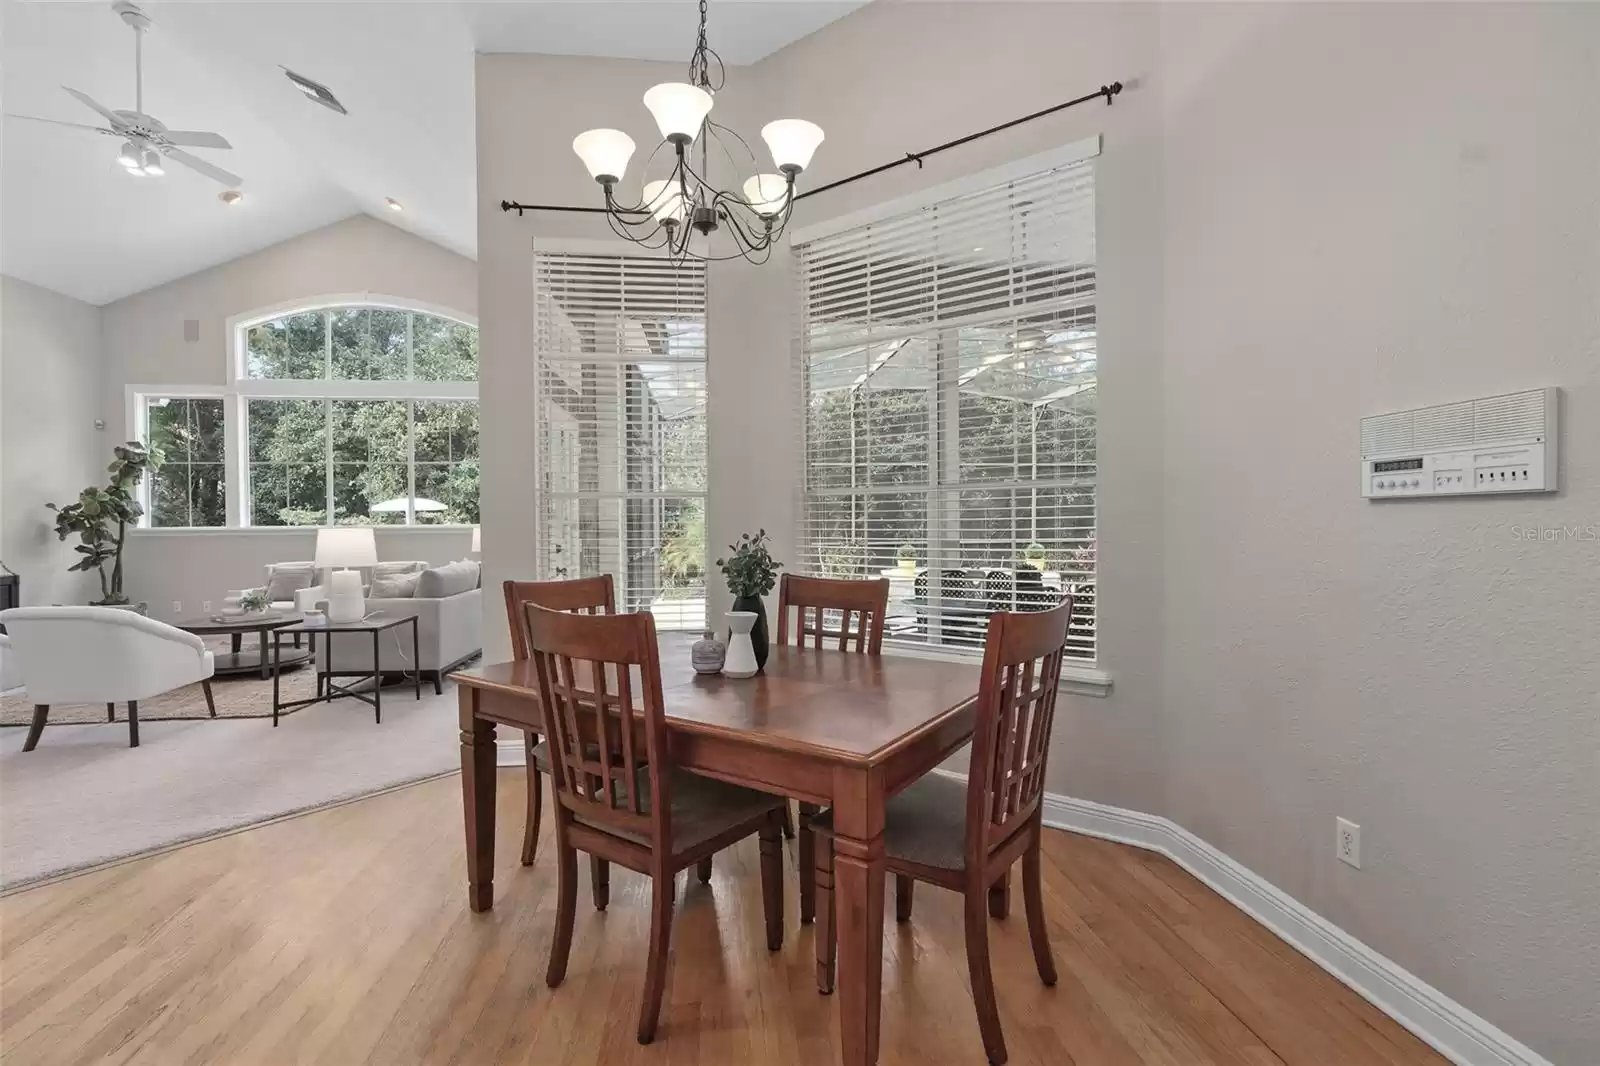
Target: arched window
(349, 411)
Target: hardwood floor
(344, 937)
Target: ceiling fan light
(128, 155)
(767, 194)
(679, 109)
(664, 200)
(150, 160)
(792, 142)
(604, 152)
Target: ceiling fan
(145, 139)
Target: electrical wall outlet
(177, 606)
(205, 605)
(1347, 844)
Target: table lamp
(346, 546)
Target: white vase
(741, 660)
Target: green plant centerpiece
(101, 518)
(752, 572)
(254, 601)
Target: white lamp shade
(766, 193)
(679, 108)
(604, 152)
(792, 141)
(477, 539)
(664, 200)
(346, 546)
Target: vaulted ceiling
(73, 221)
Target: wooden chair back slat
(865, 601)
(599, 774)
(584, 595)
(1016, 711)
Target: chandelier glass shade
(672, 212)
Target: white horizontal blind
(947, 364)
(621, 410)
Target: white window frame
(1078, 677)
(240, 389)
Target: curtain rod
(1105, 92)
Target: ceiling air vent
(315, 91)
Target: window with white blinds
(621, 409)
(947, 365)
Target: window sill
(1077, 678)
(222, 531)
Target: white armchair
(101, 655)
(10, 679)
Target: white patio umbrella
(399, 504)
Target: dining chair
(588, 595)
(625, 805)
(965, 836)
(814, 597)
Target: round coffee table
(236, 626)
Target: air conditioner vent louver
(1446, 426)
(1386, 433)
(1518, 416)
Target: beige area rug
(83, 797)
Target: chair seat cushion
(925, 824)
(701, 807)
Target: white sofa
(101, 655)
(449, 631)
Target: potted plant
(254, 601)
(907, 558)
(101, 518)
(1033, 555)
(751, 572)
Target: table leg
(235, 642)
(858, 911)
(277, 671)
(377, 682)
(416, 657)
(477, 799)
(262, 639)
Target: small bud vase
(708, 654)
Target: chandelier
(673, 209)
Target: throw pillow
(449, 580)
(288, 578)
(391, 569)
(394, 586)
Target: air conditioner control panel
(1457, 473)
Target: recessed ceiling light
(315, 91)
(231, 197)
(394, 205)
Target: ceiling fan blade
(196, 139)
(110, 116)
(58, 122)
(196, 163)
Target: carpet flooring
(83, 797)
(244, 696)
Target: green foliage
(254, 600)
(683, 555)
(907, 553)
(750, 569)
(101, 517)
(1034, 554)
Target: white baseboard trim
(1448, 1027)
(508, 752)
(1445, 1025)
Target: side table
(327, 690)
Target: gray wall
(1306, 214)
(1368, 208)
(50, 375)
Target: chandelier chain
(700, 64)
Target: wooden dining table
(836, 729)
